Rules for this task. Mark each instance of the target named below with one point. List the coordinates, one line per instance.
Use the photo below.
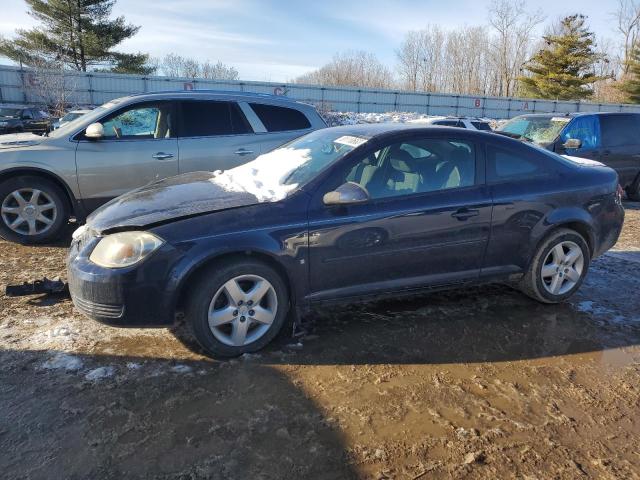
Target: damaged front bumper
(125, 297)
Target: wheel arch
(584, 229)
(182, 293)
(74, 206)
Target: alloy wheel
(242, 310)
(28, 211)
(562, 268)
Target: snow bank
(63, 361)
(264, 177)
(100, 373)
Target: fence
(20, 85)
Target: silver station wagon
(130, 142)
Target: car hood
(584, 161)
(182, 196)
(14, 140)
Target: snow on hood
(14, 140)
(264, 177)
(584, 161)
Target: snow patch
(133, 366)
(100, 373)
(181, 369)
(63, 361)
(264, 177)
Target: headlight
(124, 249)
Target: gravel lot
(482, 383)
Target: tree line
(503, 57)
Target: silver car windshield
(272, 176)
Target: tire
(220, 341)
(50, 194)
(542, 288)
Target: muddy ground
(481, 383)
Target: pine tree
(631, 85)
(76, 34)
(563, 70)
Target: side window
(416, 166)
(484, 126)
(210, 118)
(26, 114)
(141, 121)
(618, 130)
(280, 119)
(584, 128)
(504, 164)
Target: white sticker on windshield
(561, 119)
(350, 141)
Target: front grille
(98, 309)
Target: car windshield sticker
(350, 141)
(561, 119)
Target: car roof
(173, 94)
(381, 130)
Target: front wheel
(237, 307)
(558, 267)
(32, 210)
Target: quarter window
(618, 130)
(210, 118)
(140, 122)
(505, 163)
(280, 119)
(414, 167)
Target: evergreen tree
(631, 85)
(563, 70)
(76, 34)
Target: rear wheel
(558, 268)
(237, 307)
(32, 210)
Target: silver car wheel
(28, 211)
(562, 269)
(242, 310)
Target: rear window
(618, 130)
(449, 123)
(504, 163)
(280, 119)
(210, 118)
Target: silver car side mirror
(95, 131)
(572, 143)
(346, 194)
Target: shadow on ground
(148, 418)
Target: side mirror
(95, 131)
(572, 143)
(346, 194)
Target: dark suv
(610, 138)
(24, 119)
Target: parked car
(342, 213)
(129, 142)
(610, 138)
(67, 117)
(471, 123)
(24, 119)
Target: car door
(139, 146)
(214, 135)
(29, 122)
(585, 128)
(426, 223)
(621, 144)
(275, 124)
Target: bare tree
(627, 19)
(51, 84)
(351, 68)
(511, 45)
(173, 65)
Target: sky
(276, 41)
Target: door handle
(465, 213)
(243, 151)
(162, 156)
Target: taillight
(619, 194)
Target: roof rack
(216, 92)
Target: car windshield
(90, 117)
(536, 129)
(10, 112)
(272, 176)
